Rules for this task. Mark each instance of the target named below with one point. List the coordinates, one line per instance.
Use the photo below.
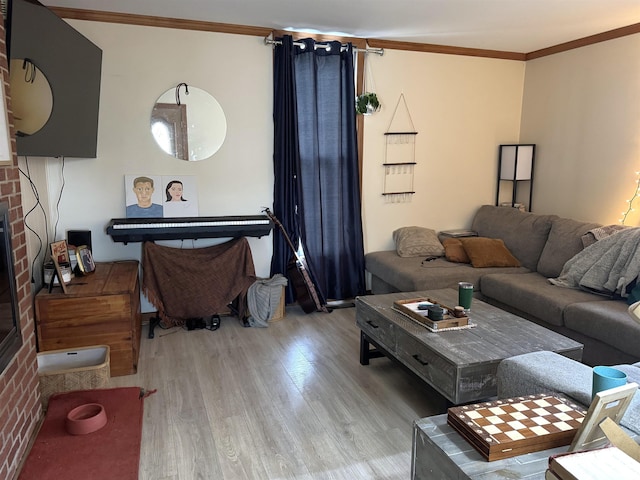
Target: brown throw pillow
(488, 252)
(417, 242)
(454, 251)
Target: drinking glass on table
(465, 294)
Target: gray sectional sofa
(542, 244)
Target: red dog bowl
(86, 418)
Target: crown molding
(165, 22)
(583, 42)
(432, 48)
(151, 21)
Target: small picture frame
(62, 265)
(86, 264)
(60, 276)
(611, 404)
(59, 252)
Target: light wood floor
(290, 401)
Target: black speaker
(79, 237)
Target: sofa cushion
(411, 274)
(523, 233)
(488, 252)
(565, 241)
(454, 251)
(544, 372)
(532, 294)
(607, 321)
(417, 242)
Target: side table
(440, 453)
(102, 308)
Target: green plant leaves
(367, 103)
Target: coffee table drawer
(427, 364)
(377, 328)
(380, 331)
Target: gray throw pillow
(417, 242)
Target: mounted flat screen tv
(10, 337)
(72, 66)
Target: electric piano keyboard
(127, 230)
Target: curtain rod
(377, 51)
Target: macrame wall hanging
(399, 155)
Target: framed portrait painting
(143, 196)
(180, 196)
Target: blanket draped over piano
(196, 282)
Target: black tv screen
(10, 336)
(72, 64)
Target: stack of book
(458, 233)
(599, 464)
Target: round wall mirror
(31, 96)
(188, 123)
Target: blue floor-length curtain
(317, 187)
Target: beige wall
(462, 109)
(582, 109)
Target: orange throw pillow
(454, 251)
(488, 252)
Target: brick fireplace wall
(20, 410)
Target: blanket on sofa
(608, 266)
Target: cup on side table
(605, 378)
(465, 294)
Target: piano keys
(127, 230)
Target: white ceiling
(509, 25)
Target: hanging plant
(367, 103)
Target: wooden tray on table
(410, 309)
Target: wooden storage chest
(102, 308)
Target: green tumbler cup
(465, 294)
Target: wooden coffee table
(461, 364)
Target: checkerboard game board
(515, 426)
